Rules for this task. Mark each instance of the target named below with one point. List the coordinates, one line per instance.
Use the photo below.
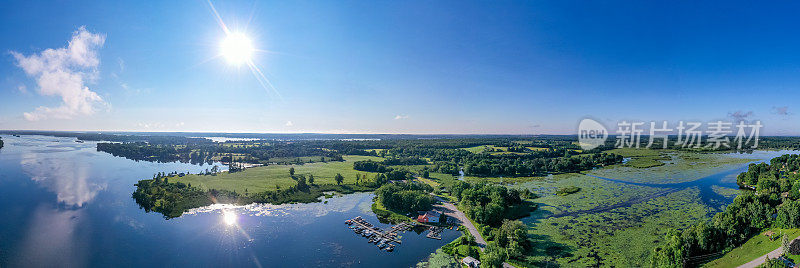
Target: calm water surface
(63, 204)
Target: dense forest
(370, 166)
(406, 197)
(487, 203)
(777, 190)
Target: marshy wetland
(623, 212)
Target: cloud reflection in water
(67, 177)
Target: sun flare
(229, 217)
(237, 48)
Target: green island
(534, 201)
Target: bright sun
(237, 48)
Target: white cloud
(156, 125)
(180, 124)
(22, 89)
(400, 117)
(783, 110)
(63, 72)
(289, 123)
(740, 116)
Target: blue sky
(516, 67)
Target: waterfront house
(471, 262)
(429, 216)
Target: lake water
(63, 204)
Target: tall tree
(785, 242)
(339, 179)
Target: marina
(384, 240)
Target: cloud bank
(64, 72)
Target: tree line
(512, 165)
(246, 152)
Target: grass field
(542, 149)
(480, 148)
(304, 159)
(266, 178)
(752, 249)
(430, 182)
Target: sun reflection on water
(229, 217)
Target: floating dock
(435, 233)
(385, 240)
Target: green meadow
(268, 178)
(481, 148)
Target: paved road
(452, 211)
(772, 254)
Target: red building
(429, 216)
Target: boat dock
(435, 233)
(385, 240)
